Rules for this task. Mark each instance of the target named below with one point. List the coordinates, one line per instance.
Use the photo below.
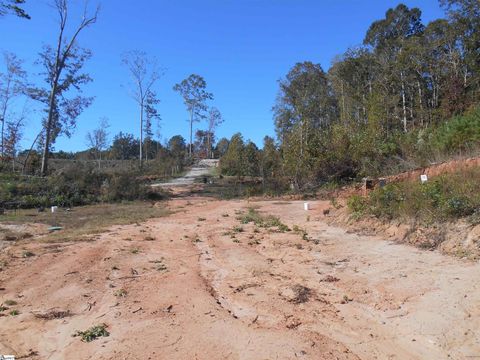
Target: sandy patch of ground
(198, 284)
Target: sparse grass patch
(442, 198)
(269, 221)
(86, 220)
(10, 302)
(14, 312)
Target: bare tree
(215, 119)
(12, 85)
(66, 57)
(97, 139)
(145, 73)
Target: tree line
(381, 106)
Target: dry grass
(82, 221)
(54, 314)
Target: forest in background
(407, 97)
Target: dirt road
(200, 285)
(203, 168)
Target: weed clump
(93, 333)
(269, 221)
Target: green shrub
(73, 186)
(459, 206)
(357, 204)
(446, 197)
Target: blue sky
(241, 48)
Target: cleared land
(216, 280)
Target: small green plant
(120, 293)
(237, 229)
(135, 251)
(10, 302)
(302, 232)
(14, 313)
(27, 254)
(93, 333)
(357, 204)
(161, 267)
(334, 202)
(305, 235)
(3, 264)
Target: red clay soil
(437, 169)
(200, 285)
